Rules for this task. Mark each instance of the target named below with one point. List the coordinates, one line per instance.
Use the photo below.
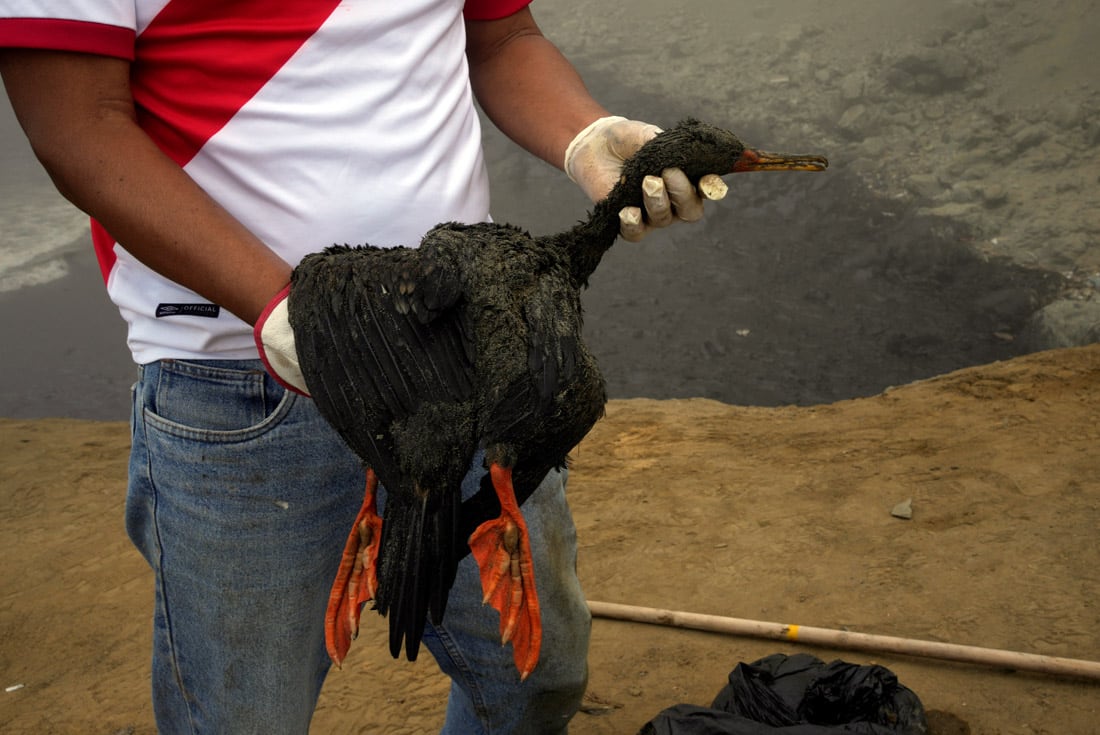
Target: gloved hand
(275, 341)
(595, 158)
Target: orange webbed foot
(503, 552)
(356, 579)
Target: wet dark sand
(64, 348)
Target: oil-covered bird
(419, 357)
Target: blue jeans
(240, 499)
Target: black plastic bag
(800, 695)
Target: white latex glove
(595, 158)
(275, 341)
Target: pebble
(852, 86)
(933, 110)
(903, 510)
(993, 195)
(1030, 136)
(965, 18)
(1063, 323)
(964, 192)
(852, 121)
(925, 186)
(875, 145)
(951, 210)
(1068, 114)
(933, 70)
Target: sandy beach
(775, 514)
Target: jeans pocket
(213, 400)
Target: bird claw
(356, 579)
(503, 553)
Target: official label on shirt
(210, 311)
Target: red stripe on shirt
(61, 34)
(104, 246)
(200, 61)
(492, 9)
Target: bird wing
(386, 354)
(377, 336)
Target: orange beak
(752, 160)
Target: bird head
(695, 148)
(699, 149)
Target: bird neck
(587, 241)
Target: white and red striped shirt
(313, 122)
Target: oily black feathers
(411, 355)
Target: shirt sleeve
(105, 27)
(492, 9)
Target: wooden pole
(848, 640)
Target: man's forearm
(527, 87)
(78, 117)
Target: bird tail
(417, 564)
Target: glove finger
(631, 227)
(686, 202)
(712, 187)
(658, 208)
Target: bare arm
(526, 87)
(78, 114)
